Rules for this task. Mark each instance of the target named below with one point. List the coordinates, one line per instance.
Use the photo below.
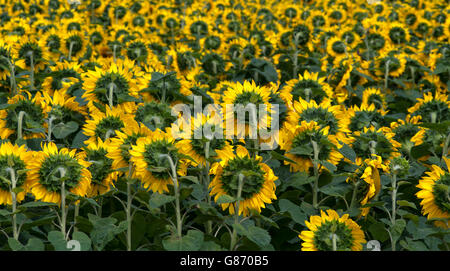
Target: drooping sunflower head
(324, 114)
(328, 226)
(154, 115)
(370, 142)
(308, 87)
(5, 54)
(122, 143)
(29, 111)
(247, 97)
(165, 87)
(374, 96)
(104, 125)
(432, 108)
(63, 72)
(117, 84)
(53, 169)
(206, 131)
(303, 141)
(152, 166)
(74, 45)
(100, 166)
(397, 33)
(14, 161)
(407, 132)
(29, 53)
(366, 179)
(239, 172)
(365, 116)
(434, 192)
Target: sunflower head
(329, 228)
(434, 193)
(238, 172)
(53, 169)
(14, 161)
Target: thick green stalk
(236, 211)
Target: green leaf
(192, 241)
(225, 199)
(157, 200)
(331, 168)
(62, 130)
(281, 157)
(193, 179)
(37, 204)
(406, 203)
(348, 152)
(294, 211)
(57, 240)
(78, 140)
(85, 241)
(302, 150)
(255, 234)
(35, 244)
(104, 230)
(15, 245)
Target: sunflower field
(357, 93)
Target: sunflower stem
(355, 189)
(316, 150)
(12, 75)
(50, 127)
(177, 194)
(334, 241)
(236, 211)
(110, 95)
(76, 213)
(12, 173)
(208, 198)
(20, 124)
(62, 172)
(70, 50)
(31, 71)
(128, 206)
(386, 74)
(114, 52)
(446, 145)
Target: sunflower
(308, 87)
(153, 169)
(103, 175)
(14, 159)
(434, 194)
(30, 53)
(324, 114)
(365, 116)
(64, 108)
(240, 97)
(397, 32)
(61, 73)
(104, 125)
(33, 112)
(347, 233)
(433, 108)
(337, 48)
(366, 178)
(122, 143)
(374, 96)
(5, 51)
(183, 58)
(154, 115)
(73, 45)
(298, 144)
(371, 141)
(203, 129)
(258, 180)
(407, 132)
(53, 167)
(118, 84)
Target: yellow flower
(52, 167)
(319, 237)
(152, 169)
(258, 187)
(434, 194)
(14, 159)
